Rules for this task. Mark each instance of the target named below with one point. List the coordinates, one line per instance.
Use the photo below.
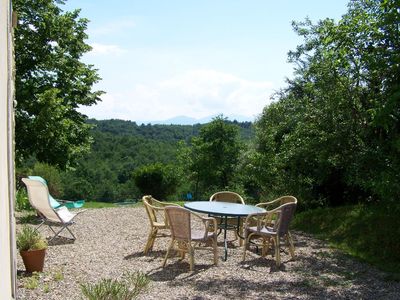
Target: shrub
(22, 201)
(157, 180)
(30, 239)
(129, 287)
(52, 175)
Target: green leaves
(328, 137)
(51, 82)
(215, 155)
(157, 180)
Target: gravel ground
(110, 241)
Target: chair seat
(198, 235)
(264, 230)
(65, 214)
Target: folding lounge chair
(39, 198)
(56, 203)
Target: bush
(30, 239)
(157, 180)
(52, 175)
(22, 201)
(129, 287)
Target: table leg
(225, 242)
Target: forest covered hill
(119, 147)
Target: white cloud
(112, 28)
(104, 49)
(196, 93)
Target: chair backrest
(148, 204)
(38, 195)
(179, 222)
(227, 196)
(286, 212)
(53, 202)
(287, 199)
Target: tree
(333, 134)
(214, 155)
(157, 180)
(51, 82)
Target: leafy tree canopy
(333, 135)
(51, 82)
(214, 155)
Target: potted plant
(32, 247)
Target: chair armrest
(260, 220)
(265, 204)
(207, 221)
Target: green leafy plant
(30, 239)
(32, 282)
(21, 200)
(128, 287)
(158, 180)
(58, 275)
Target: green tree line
(330, 137)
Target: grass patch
(94, 204)
(370, 233)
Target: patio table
(224, 210)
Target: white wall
(7, 257)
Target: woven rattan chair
(277, 202)
(259, 226)
(232, 197)
(227, 196)
(155, 212)
(186, 236)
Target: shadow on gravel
(60, 240)
(175, 268)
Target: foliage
(157, 180)
(332, 136)
(32, 282)
(22, 201)
(129, 287)
(369, 232)
(119, 148)
(51, 82)
(214, 156)
(30, 239)
(52, 176)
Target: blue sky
(161, 59)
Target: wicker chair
(187, 236)
(155, 212)
(232, 197)
(259, 226)
(227, 196)
(277, 202)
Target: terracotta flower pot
(33, 260)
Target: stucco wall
(7, 258)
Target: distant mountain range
(185, 120)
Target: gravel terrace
(110, 241)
